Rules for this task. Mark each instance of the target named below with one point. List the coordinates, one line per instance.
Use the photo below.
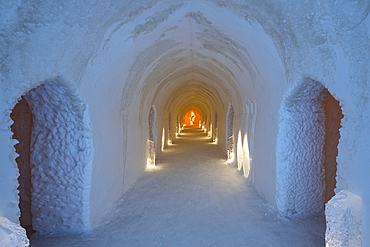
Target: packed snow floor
(194, 198)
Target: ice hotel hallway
(194, 198)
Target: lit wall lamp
(231, 158)
(163, 140)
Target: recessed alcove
(21, 128)
(55, 151)
(307, 148)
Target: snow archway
(306, 144)
(59, 150)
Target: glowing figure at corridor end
(192, 118)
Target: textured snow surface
(300, 184)
(343, 220)
(123, 56)
(11, 234)
(59, 160)
(193, 198)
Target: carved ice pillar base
(151, 154)
(343, 217)
(12, 234)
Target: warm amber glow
(192, 118)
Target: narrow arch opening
(192, 118)
(21, 128)
(333, 117)
(55, 150)
(307, 149)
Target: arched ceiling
(194, 61)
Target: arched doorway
(192, 118)
(307, 149)
(55, 148)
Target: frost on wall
(229, 134)
(151, 154)
(151, 145)
(12, 235)
(21, 128)
(169, 129)
(343, 220)
(214, 133)
(60, 159)
(151, 121)
(300, 175)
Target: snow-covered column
(60, 160)
(300, 174)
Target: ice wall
(230, 135)
(60, 160)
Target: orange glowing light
(191, 118)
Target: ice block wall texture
(151, 121)
(12, 234)
(60, 160)
(300, 175)
(151, 154)
(343, 220)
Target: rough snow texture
(151, 154)
(229, 133)
(61, 151)
(133, 54)
(192, 199)
(12, 235)
(343, 220)
(229, 121)
(151, 122)
(230, 149)
(22, 127)
(214, 130)
(300, 175)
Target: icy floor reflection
(194, 199)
